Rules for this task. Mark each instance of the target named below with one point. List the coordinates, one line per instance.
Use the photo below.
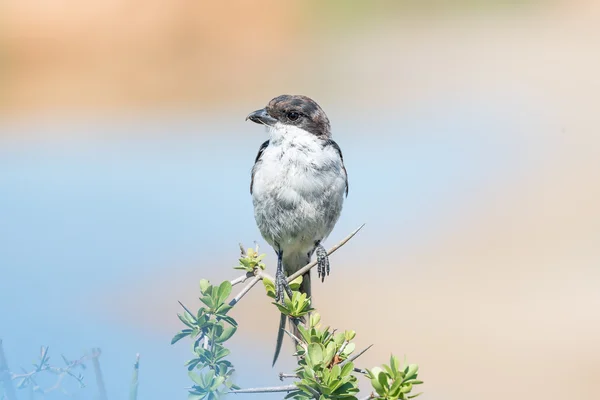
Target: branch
(283, 376)
(309, 266)
(260, 274)
(28, 378)
(273, 389)
(257, 275)
(242, 278)
(133, 388)
(99, 377)
(245, 290)
(354, 357)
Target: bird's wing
(261, 150)
(332, 143)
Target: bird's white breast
(298, 189)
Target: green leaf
(196, 378)
(270, 287)
(315, 353)
(406, 388)
(282, 308)
(217, 382)
(349, 335)
(185, 318)
(350, 389)
(347, 369)
(411, 371)
(181, 335)
(329, 353)
(389, 371)
(208, 300)
(224, 291)
(336, 371)
(191, 364)
(315, 318)
(227, 333)
(394, 364)
(221, 352)
(223, 309)
(207, 378)
(229, 320)
(349, 349)
(395, 388)
(383, 380)
(295, 284)
(204, 285)
(373, 374)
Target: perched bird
(298, 186)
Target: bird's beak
(261, 117)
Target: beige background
(502, 299)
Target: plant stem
(354, 357)
(133, 391)
(272, 389)
(5, 378)
(245, 290)
(308, 267)
(242, 278)
(99, 377)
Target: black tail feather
(304, 288)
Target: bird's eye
(293, 115)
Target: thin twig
(360, 371)
(342, 347)
(371, 396)
(245, 290)
(294, 338)
(309, 266)
(260, 274)
(354, 357)
(133, 389)
(99, 378)
(242, 278)
(283, 376)
(272, 389)
(265, 275)
(188, 311)
(57, 370)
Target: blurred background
(470, 134)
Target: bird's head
(287, 113)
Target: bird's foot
(322, 262)
(281, 286)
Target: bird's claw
(281, 286)
(322, 262)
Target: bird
(298, 185)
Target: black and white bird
(298, 187)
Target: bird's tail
(304, 288)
